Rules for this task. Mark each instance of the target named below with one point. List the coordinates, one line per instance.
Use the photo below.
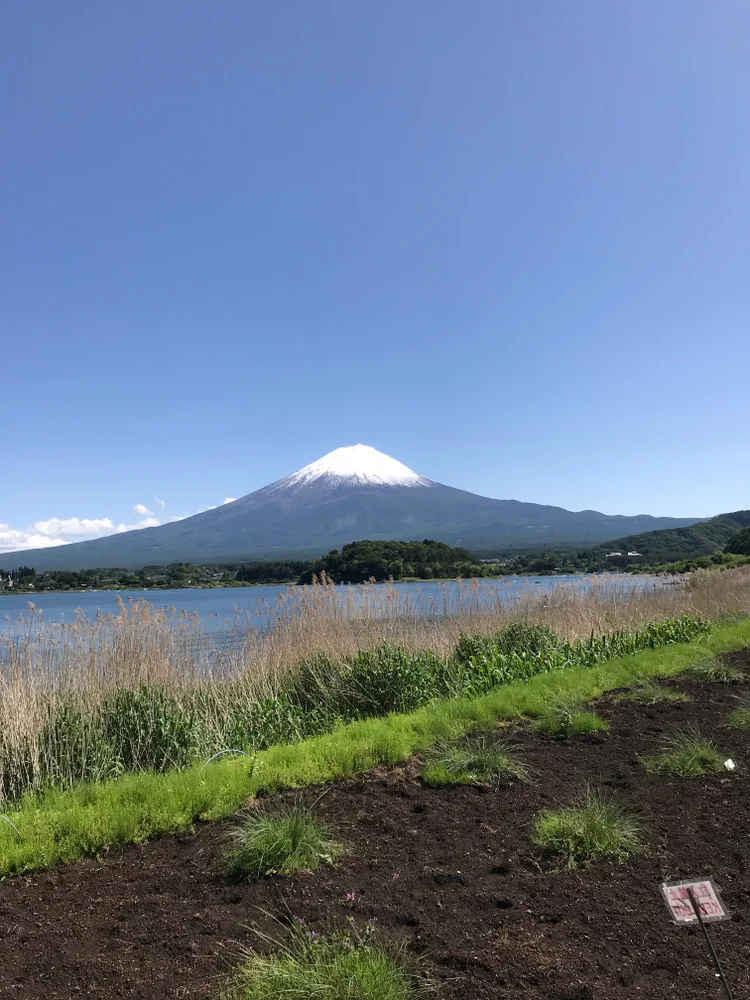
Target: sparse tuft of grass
(739, 717)
(474, 760)
(594, 828)
(286, 840)
(347, 965)
(713, 670)
(687, 754)
(647, 691)
(568, 717)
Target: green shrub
(593, 829)
(147, 729)
(370, 683)
(388, 679)
(267, 722)
(567, 717)
(523, 637)
(474, 760)
(517, 637)
(288, 839)
(687, 754)
(341, 966)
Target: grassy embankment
(62, 825)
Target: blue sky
(507, 243)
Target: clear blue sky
(507, 243)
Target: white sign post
(697, 901)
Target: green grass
(567, 716)
(475, 760)
(647, 691)
(713, 671)
(686, 754)
(343, 966)
(63, 826)
(277, 842)
(739, 717)
(594, 828)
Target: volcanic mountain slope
(350, 494)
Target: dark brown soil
(452, 873)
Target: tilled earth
(450, 873)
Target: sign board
(677, 897)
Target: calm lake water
(221, 608)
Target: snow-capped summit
(356, 465)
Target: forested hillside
(366, 560)
(673, 544)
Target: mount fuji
(352, 493)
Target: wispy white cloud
(12, 539)
(229, 499)
(72, 526)
(63, 530)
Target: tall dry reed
(50, 671)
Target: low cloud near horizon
(64, 530)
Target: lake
(225, 609)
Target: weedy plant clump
(739, 717)
(278, 842)
(569, 717)
(475, 760)
(647, 691)
(686, 753)
(344, 965)
(713, 670)
(594, 828)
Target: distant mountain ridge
(352, 493)
(674, 544)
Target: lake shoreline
(293, 583)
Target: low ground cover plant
(567, 717)
(686, 753)
(343, 965)
(594, 828)
(647, 691)
(475, 760)
(712, 670)
(739, 717)
(277, 842)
